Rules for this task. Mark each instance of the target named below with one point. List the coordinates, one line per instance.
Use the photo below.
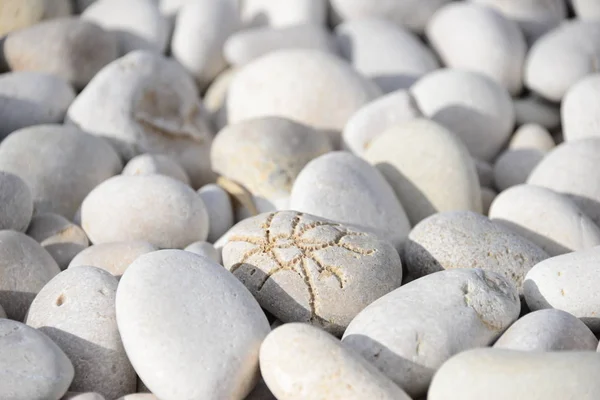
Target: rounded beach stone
(283, 14)
(76, 310)
(548, 219)
(70, 48)
(138, 24)
(59, 236)
(139, 396)
(471, 105)
(183, 348)
(341, 187)
(463, 308)
(153, 208)
(513, 167)
(16, 202)
(247, 45)
(146, 103)
(423, 188)
(302, 268)
(532, 136)
(215, 97)
(336, 371)
(32, 98)
(113, 257)
(497, 51)
(201, 29)
(535, 110)
(567, 282)
(548, 330)
(499, 374)
(32, 367)
(413, 14)
(570, 169)
(329, 93)
(25, 267)
(275, 151)
(580, 108)
(151, 164)
(464, 239)
(388, 54)
(19, 14)
(485, 173)
(376, 117)
(67, 164)
(82, 396)
(205, 249)
(487, 198)
(219, 208)
(558, 60)
(586, 9)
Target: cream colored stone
(19, 14)
(16, 202)
(205, 249)
(513, 167)
(82, 396)
(532, 136)
(150, 164)
(113, 257)
(215, 97)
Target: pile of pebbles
(299, 199)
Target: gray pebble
(513, 167)
(21, 14)
(533, 109)
(16, 202)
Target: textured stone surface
(113, 257)
(151, 164)
(16, 202)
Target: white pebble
(151, 164)
(219, 208)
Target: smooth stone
(413, 14)
(275, 150)
(498, 374)
(32, 367)
(152, 164)
(548, 219)
(559, 59)
(16, 202)
(487, 199)
(465, 239)
(376, 117)
(70, 48)
(182, 348)
(424, 188)
(567, 282)
(390, 55)
(168, 7)
(586, 9)
(59, 236)
(2, 312)
(138, 24)
(485, 173)
(76, 310)
(146, 103)
(63, 164)
(219, 208)
(463, 309)
(342, 90)
(81, 5)
(15, 15)
(570, 169)
(82, 396)
(535, 110)
(215, 98)
(201, 29)
(471, 105)
(302, 268)
(32, 98)
(513, 167)
(532, 136)
(548, 330)
(205, 249)
(139, 396)
(247, 45)
(262, 205)
(496, 51)
(579, 109)
(112, 257)
(153, 208)
(336, 372)
(342, 187)
(25, 268)
(283, 14)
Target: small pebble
(535, 110)
(16, 202)
(19, 14)
(112, 257)
(532, 136)
(580, 108)
(283, 14)
(205, 249)
(514, 166)
(219, 208)
(152, 164)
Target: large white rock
(183, 348)
(283, 13)
(580, 109)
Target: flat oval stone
(580, 108)
(151, 164)
(498, 374)
(21, 14)
(532, 136)
(548, 219)
(548, 330)
(471, 105)
(153, 208)
(463, 309)
(388, 54)
(146, 103)
(341, 187)
(335, 371)
(16, 202)
(32, 98)
(219, 208)
(425, 188)
(25, 268)
(183, 348)
(302, 268)
(68, 164)
(76, 310)
(205, 249)
(342, 90)
(567, 282)
(464, 239)
(513, 167)
(497, 51)
(533, 109)
(570, 169)
(32, 367)
(112, 257)
(283, 14)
